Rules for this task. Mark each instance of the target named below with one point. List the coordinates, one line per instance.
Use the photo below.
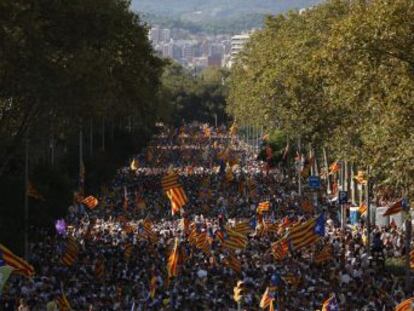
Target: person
(52, 305)
(23, 306)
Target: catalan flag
(280, 249)
(233, 240)
(267, 297)
(406, 305)
(233, 263)
(173, 260)
(263, 207)
(90, 202)
(177, 198)
(334, 168)
(362, 208)
(71, 253)
(170, 181)
(202, 242)
(308, 233)
(243, 228)
(18, 264)
(63, 303)
(412, 259)
(395, 208)
(330, 304)
(148, 232)
(324, 255)
(32, 192)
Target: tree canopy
(339, 75)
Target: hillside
(207, 10)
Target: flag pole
(26, 200)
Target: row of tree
(72, 73)
(338, 76)
(80, 79)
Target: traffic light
(238, 291)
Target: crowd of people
(120, 267)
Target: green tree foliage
(193, 96)
(62, 64)
(340, 76)
(66, 65)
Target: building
(216, 49)
(165, 35)
(155, 35)
(214, 60)
(188, 52)
(237, 44)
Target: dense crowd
(224, 183)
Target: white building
(237, 44)
(165, 35)
(155, 35)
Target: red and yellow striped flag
(362, 208)
(303, 235)
(178, 199)
(233, 240)
(263, 207)
(267, 297)
(170, 181)
(173, 260)
(334, 168)
(406, 305)
(147, 231)
(233, 263)
(90, 202)
(202, 242)
(324, 255)
(71, 253)
(412, 259)
(63, 303)
(243, 228)
(280, 249)
(18, 264)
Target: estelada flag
(90, 202)
(395, 208)
(267, 297)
